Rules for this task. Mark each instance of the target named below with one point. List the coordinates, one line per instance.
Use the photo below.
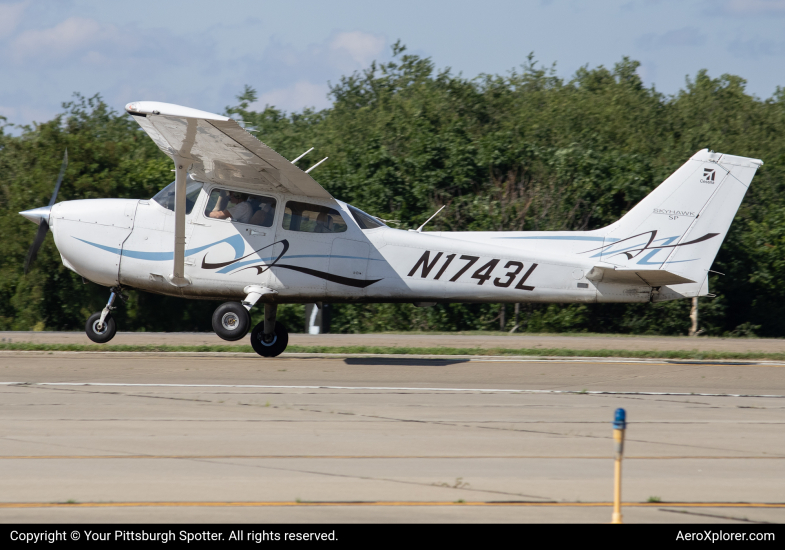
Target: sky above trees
(201, 52)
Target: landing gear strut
(100, 326)
(232, 320)
(269, 338)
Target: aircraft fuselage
(129, 243)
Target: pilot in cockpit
(324, 223)
(241, 211)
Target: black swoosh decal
(284, 242)
(348, 281)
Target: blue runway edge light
(620, 420)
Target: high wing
(219, 150)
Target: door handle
(262, 233)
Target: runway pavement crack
(371, 478)
(632, 377)
(53, 444)
(82, 391)
(712, 516)
(519, 430)
(418, 421)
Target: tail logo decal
(637, 250)
(708, 175)
(674, 214)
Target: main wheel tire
(231, 321)
(273, 348)
(105, 333)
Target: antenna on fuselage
(301, 156)
(419, 229)
(317, 164)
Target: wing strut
(178, 278)
(182, 163)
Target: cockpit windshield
(165, 197)
(365, 221)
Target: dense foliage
(524, 151)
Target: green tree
(522, 151)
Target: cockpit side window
(239, 207)
(365, 221)
(312, 218)
(165, 197)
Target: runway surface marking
(390, 503)
(386, 388)
(625, 361)
(379, 457)
(463, 358)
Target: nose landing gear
(100, 326)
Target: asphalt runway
(233, 437)
(430, 340)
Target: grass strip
(390, 350)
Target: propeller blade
(43, 227)
(59, 179)
(32, 253)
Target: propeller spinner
(41, 217)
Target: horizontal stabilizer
(649, 277)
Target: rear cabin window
(241, 207)
(312, 218)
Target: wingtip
(146, 108)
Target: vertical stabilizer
(680, 226)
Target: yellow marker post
(619, 425)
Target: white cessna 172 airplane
(241, 223)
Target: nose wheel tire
(272, 345)
(102, 334)
(231, 321)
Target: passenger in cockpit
(263, 216)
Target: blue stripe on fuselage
(235, 241)
(562, 238)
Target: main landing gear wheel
(103, 333)
(231, 321)
(270, 345)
